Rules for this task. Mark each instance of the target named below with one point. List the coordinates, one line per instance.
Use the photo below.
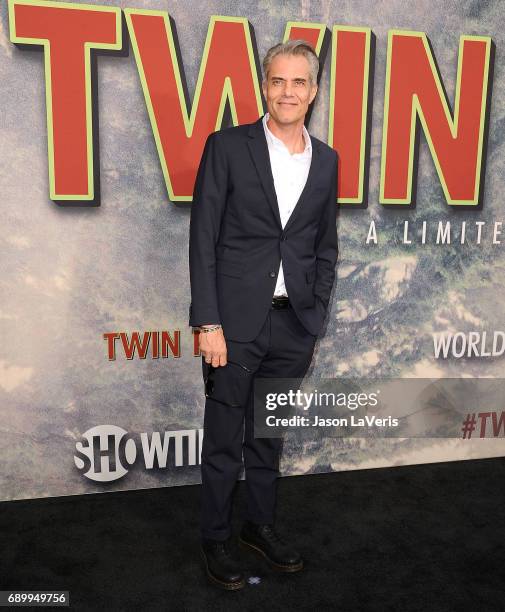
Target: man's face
(288, 90)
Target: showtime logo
(108, 451)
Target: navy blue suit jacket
(237, 240)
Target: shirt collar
(277, 142)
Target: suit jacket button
(272, 274)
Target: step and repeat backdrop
(104, 111)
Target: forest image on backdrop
(71, 274)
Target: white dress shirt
(290, 173)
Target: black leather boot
(264, 540)
(221, 567)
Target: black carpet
(415, 538)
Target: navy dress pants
(282, 349)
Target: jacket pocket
(229, 268)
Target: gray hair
(293, 47)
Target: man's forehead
(290, 64)
(296, 77)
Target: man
(262, 254)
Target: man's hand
(213, 347)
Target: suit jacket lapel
(259, 152)
(309, 184)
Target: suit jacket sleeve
(327, 244)
(209, 200)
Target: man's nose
(287, 89)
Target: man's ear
(264, 88)
(313, 94)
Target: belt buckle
(280, 303)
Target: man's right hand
(213, 347)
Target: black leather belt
(280, 303)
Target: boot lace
(269, 534)
(222, 548)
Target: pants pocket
(229, 384)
